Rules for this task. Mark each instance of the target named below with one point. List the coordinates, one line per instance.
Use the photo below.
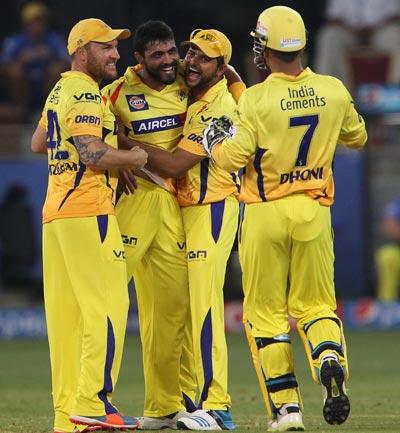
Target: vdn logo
(129, 240)
(197, 255)
(119, 254)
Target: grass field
(374, 388)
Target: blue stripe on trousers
(217, 216)
(206, 356)
(108, 386)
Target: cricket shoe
(336, 403)
(159, 423)
(288, 418)
(207, 420)
(112, 420)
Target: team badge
(137, 102)
(181, 95)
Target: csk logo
(181, 95)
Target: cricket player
(208, 199)
(387, 257)
(287, 130)
(85, 286)
(150, 100)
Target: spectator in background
(387, 257)
(357, 24)
(18, 243)
(32, 59)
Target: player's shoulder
(78, 88)
(328, 81)
(254, 92)
(78, 80)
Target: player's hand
(126, 181)
(217, 131)
(140, 158)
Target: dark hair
(286, 57)
(151, 31)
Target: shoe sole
(82, 420)
(286, 428)
(337, 405)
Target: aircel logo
(157, 124)
(137, 102)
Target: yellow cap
(93, 30)
(33, 10)
(212, 42)
(281, 28)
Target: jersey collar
(79, 74)
(280, 75)
(210, 94)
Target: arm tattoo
(89, 154)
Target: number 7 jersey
(287, 129)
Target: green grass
(374, 388)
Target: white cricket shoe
(155, 423)
(288, 418)
(207, 420)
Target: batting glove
(217, 131)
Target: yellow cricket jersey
(206, 182)
(150, 116)
(287, 129)
(75, 107)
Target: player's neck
(196, 93)
(293, 68)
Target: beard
(161, 76)
(97, 69)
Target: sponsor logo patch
(137, 102)
(87, 97)
(290, 42)
(157, 124)
(94, 120)
(197, 255)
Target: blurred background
(357, 41)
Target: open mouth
(170, 69)
(192, 74)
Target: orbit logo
(137, 102)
